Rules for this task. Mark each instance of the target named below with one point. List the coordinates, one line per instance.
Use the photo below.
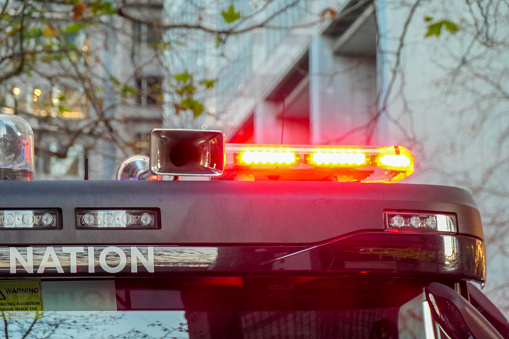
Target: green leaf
(184, 77)
(75, 27)
(70, 45)
(160, 45)
(193, 105)
(126, 91)
(436, 28)
(219, 41)
(208, 83)
(62, 109)
(61, 98)
(428, 19)
(185, 90)
(230, 15)
(451, 26)
(115, 81)
(101, 8)
(34, 33)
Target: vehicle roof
(231, 212)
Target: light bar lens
(117, 219)
(421, 222)
(324, 163)
(267, 157)
(395, 161)
(33, 219)
(334, 158)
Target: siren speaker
(186, 152)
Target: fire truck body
(290, 249)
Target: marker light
(327, 163)
(34, 219)
(422, 222)
(117, 219)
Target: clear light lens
(431, 222)
(117, 219)
(146, 219)
(398, 221)
(47, 219)
(109, 218)
(127, 219)
(416, 221)
(36, 218)
(88, 219)
(9, 219)
(445, 223)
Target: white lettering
(104, 264)
(50, 252)
(91, 259)
(72, 253)
(27, 264)
(112, 259)
(148, 262)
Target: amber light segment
(397, 157)
(399, 161)
(334, 158)
(269, 157)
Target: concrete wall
(449, 104)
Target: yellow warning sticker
(20, 295)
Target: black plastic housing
(246, 228)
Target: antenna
(86, 169)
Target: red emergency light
(335, 163)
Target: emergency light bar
(204, 153)
(337, 163)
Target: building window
(147, 33)
(149, 90)
(141, 143)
